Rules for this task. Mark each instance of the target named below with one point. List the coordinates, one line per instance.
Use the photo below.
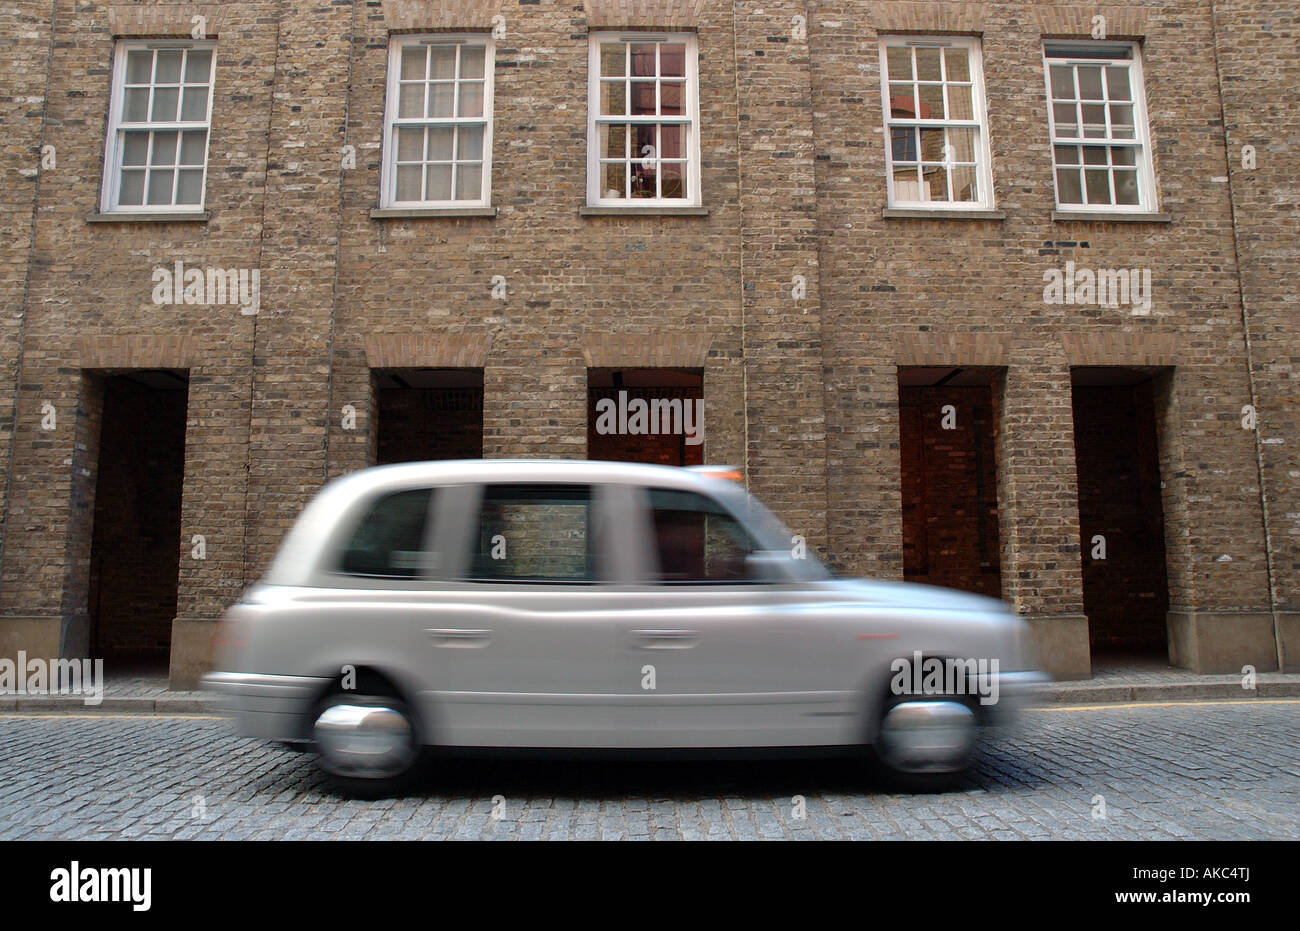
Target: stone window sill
(643, 212)
(901, 213)
(421, 213)
(198, 216)
(1081, 216)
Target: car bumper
(1013, 691)
(273, 707)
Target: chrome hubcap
(364, 741)
(928, 736)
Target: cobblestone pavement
(1226, 770)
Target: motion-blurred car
(562, 604)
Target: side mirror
(771, 566)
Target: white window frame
(110, 185)
(388, 182)
(690, 120)
(1141, 143)
(980, 123)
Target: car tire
(925, 743)
(367, 746)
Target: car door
(516, 648)
(710, 654)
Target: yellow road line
(1172, 704)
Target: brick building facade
(890, 374)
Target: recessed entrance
(135, 537)
(1121, 516)
(646, 415)
(949, 478)
(424, 414)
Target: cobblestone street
(1226, 770)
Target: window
(1097, 114)
(934, 117)
(438, 129)
(535, 533)
(390, 540)
(643, 124)
(697, 540)
(159, 116)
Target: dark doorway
(425, 414)
(646, 415)
(135, 541)
(949, 478)
(1121, 517)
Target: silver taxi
(566, 604)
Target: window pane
(612, 59)
(169, 66)
(1094, 155)
(1067, 155)
(613, 98)
(413, 61)
(194, 104)
(193, 147)
(139, 66)
(440, 142)
(437, 184)
(696, 540)
(1065, 116)
(410, 101)
(1098, 186)
(644, 180)
(131, 191)
(965, 185)
(1122, 155)
(960, 106)
(135, 148)
(469, 180)
(932, 142)
(898, 61)
(672, 142)
(440, 99)
(164, 149)
(1068, 189)
(1062, 82)
(389, 541)
(936, 181)
(643, 98)
(535, 533)
(408, 182)
(410, 144)
(471, 98)
(470, 143)
(136, 106)
(1121, 121)
(672, 60)
(962, 143)
(643, 60)
(931, 102)
(673, 179)
(471, 61)
(901, 102)
(442, 62)
(904, 144)
(957, 61)
(613, 140)
(160, 187)
(1094, 121)
(165, 100)
(198, 66)
(189, 188)
(927, 64)
(1090, 82)
(1126, 188)
(907, 186)
(672, 98)
(615, 179)
(1117, 83)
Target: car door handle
(666, 639)
(458, 637)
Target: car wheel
(925, 743)
(367, 745)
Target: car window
(696, 539)
(534, 533)
(390, 540)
